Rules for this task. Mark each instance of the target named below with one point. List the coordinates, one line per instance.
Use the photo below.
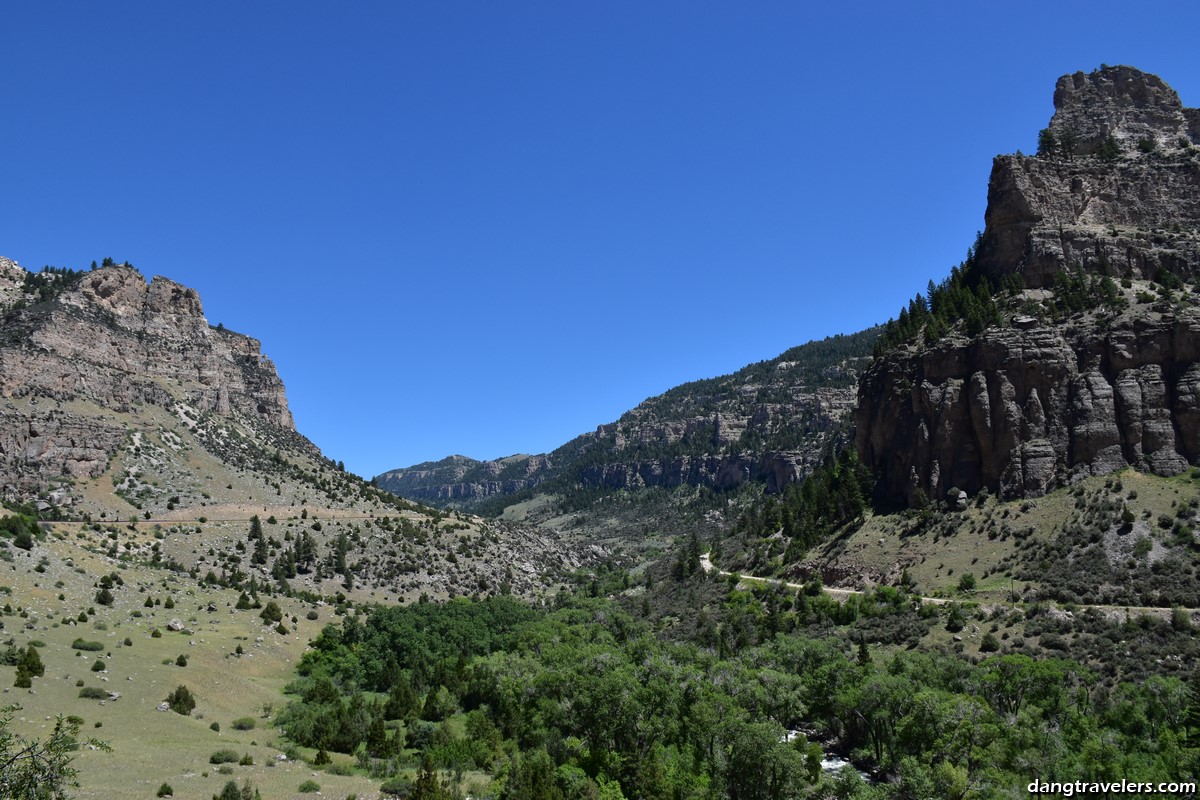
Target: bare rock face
(113, 342)
(1024, 408)
(1130, 214)
(768, 422)
(1121, 101)
(1023, 411)
(108, 339)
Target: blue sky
(485, 228)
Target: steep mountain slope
(118, 400)
(1075, 374)
(766, 423)
(1031, 419)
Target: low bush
(225, 756)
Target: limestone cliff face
(1124, 215)
(458, 479)
(106, 344)
(767, 423)
(1021, 411)
(1031, 405)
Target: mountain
(1077, 345)
(765, 424)
(119, 400)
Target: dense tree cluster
(808, 512)
(968, 295)
(21, 529)
(585, 702)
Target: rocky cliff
(1130, 210)
(767, 422)
(1047, 396)
(459, 479)
(107, 342)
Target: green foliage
(1047, 143)
(584, 702)
(1077, 291)
(808, 512)
(1109, 150)
(31, 662)
(225, 756)
(244, 724)
(164, 790)
(271, 612)
(232, 792)
(32, 769)
(309, 787)
(22, 529)
(397, 787)
(182, 700)
(969, 296)
(93, 693)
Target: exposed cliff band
(1022, 408)
(112, 341)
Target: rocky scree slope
(1042, 400)
(768, 422)
(118, 400)
(111, 341)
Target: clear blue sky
(484, 228)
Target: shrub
(182, 701)
(216, 726)
(225, 756)
(232, 792)
(246, 760)
(271, 612)
(310, 786)
(98, 666)
(244, 724)
(181, 661)
(156, 634)
(164, 791)
(80, 644)
(397, 787)
(93, 693)
(311, 615)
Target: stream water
(830, 762)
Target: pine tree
(32, 662)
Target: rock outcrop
(768, 422)
(1130, 213)
(111, 342)
(1040, 401)
(1023, 411)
